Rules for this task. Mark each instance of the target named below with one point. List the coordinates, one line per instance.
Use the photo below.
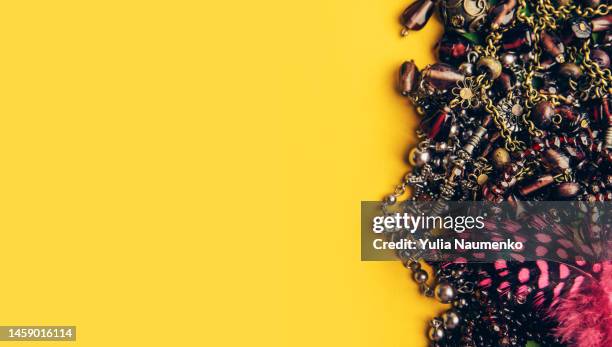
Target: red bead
(437, 126)
(537, 147)
(517, 39)
(452, 48)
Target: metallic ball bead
(527, 57)
(467, 69)
(508, 59)
(390, 199)
(451, 319)
(420, 276)
(446, 160)
(421, 157)
(441, 147)
(454, 130)
(444, 292)
(501, 158)
(461, 303)
(436, 334)
(437, 162)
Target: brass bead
(482, 179)
(490, 66)
(501, 157)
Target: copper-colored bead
(442, 76)
(416, 15)
(570, 70)
(591, 3)
(553, 46)
(567, 190)
(502, 14)
(543, 113)
(555, 160)
(540, 183)
(408, 77)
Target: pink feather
(585, 316)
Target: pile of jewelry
(517, 108)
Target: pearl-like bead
(421, 157)
(501, 157)
(467, 69)
(508, 59)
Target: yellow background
(189, 173)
